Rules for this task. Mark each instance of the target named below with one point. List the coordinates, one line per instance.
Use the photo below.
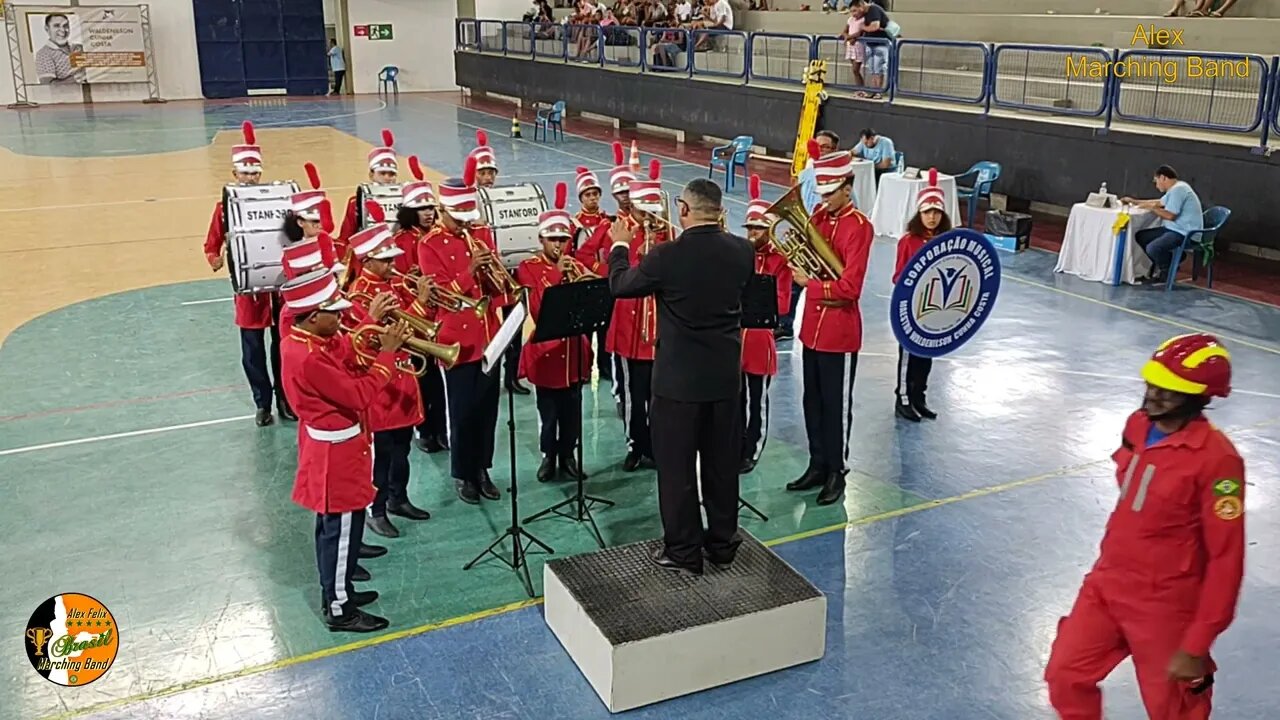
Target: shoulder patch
(1227, 488)
(1228, 507)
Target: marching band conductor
(698, 281)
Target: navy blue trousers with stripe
(828, 407)
(338, 538)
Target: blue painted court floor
(967, 537)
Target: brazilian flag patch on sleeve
(1226, 488)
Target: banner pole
(153, 78)
(15, 60)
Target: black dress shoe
(832, 489)
(515, 387)
(923, 410)
(430, 444)
(382, 526)
(569, 466)
(547, 469)
(408, 510)
(783, 333)
(368, 552)
(443, 441)
(632, 462)
(906, 412)
(357, 621)
(747, 465)
(284, 411)
(811, 478)
(659, 558)
(720, 563)
(488, 489)
(263, 417)
(467, 492)
(360, 598)
(361, 575)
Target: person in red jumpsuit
(557, 376)
(398, 407)
(257, 312)
(335, 464)
(759, 348)
(831, 328)
(384, 169)
(929, 222)
(1169, 569)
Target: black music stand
(575, 310)
(759, 310)
(521, 539)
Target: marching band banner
(77, 45)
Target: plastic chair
(552, 117)
(731, 157)
(982, 176)
(1200, 244)
(387, 77)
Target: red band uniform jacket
(759, 348)
(446, 258)
(594, 253)
(838, 329)
(633, 329)
(399, 403)
(908, 246)
(546, 364)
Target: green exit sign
(381, 32)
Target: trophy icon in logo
(39, 637)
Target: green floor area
(189, 536)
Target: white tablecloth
(896, 202)
(864, 185)
(1088, 248)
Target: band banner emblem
(945, 293)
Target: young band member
(557, 375)
(759, 348)
(334, 452)
(831, 331)
(929, 222)
(589, 219)
(397, 409)
(416, 216)
(306, 226)
(462, 259)
(384, 169)
(257, 312)
(594, 254)
(1167, 579)
(633, 330)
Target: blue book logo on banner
(945, 293)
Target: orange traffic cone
(635, 156)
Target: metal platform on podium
(641, 634)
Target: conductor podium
(641, 634)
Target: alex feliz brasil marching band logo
(945, 293)
(72, 639)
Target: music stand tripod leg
(742, 503)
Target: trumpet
(364, 340)
(802, 245)
(494, 271)
(578, 272)
(453, 301)
(408, 283)
(428, 329)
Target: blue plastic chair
(982, 176)
(387, 78)
(731, 157)
(553, 118)
(1200, 245)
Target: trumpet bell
(447, 355)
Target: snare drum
(512, 211)
(387, 196)
(253, 216)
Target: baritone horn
(364, 340)
(801, 244)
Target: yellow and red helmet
(1195, 364)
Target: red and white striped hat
(307, 204)
(458, 195)
(646, 195)
(555, 222)
(316, 290)
(587, 180)
(621, 177)
(374, 243)
(931, 196)
(417, 195)
(757, 208)
(302, 257)
(831, 170)
(384, 158)
(247, 158)
(484, 155)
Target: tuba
(801, 244)
(364, 340)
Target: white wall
(422, 48)
(173, 37)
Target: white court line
(206, 302)
(118, 436)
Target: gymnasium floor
(132, 470)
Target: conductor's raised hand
(384, 303)
(394, 336)
(619, 234)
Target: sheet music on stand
(506, 334)
(760, 302)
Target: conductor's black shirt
(698, 281)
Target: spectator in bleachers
(855, 49)
(1180, 213)
(875, 28)
(624, 11)
(716, 15)
(587, 13)
(879, 150)
(683, 11)
(667, 45)
(1202, 8)
(828, 142)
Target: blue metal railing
(1240, 95)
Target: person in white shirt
(338, 65)
(683, 11)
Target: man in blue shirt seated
(829, 142)
(1180, 213)
(879, 150)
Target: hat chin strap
(1189, 408)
